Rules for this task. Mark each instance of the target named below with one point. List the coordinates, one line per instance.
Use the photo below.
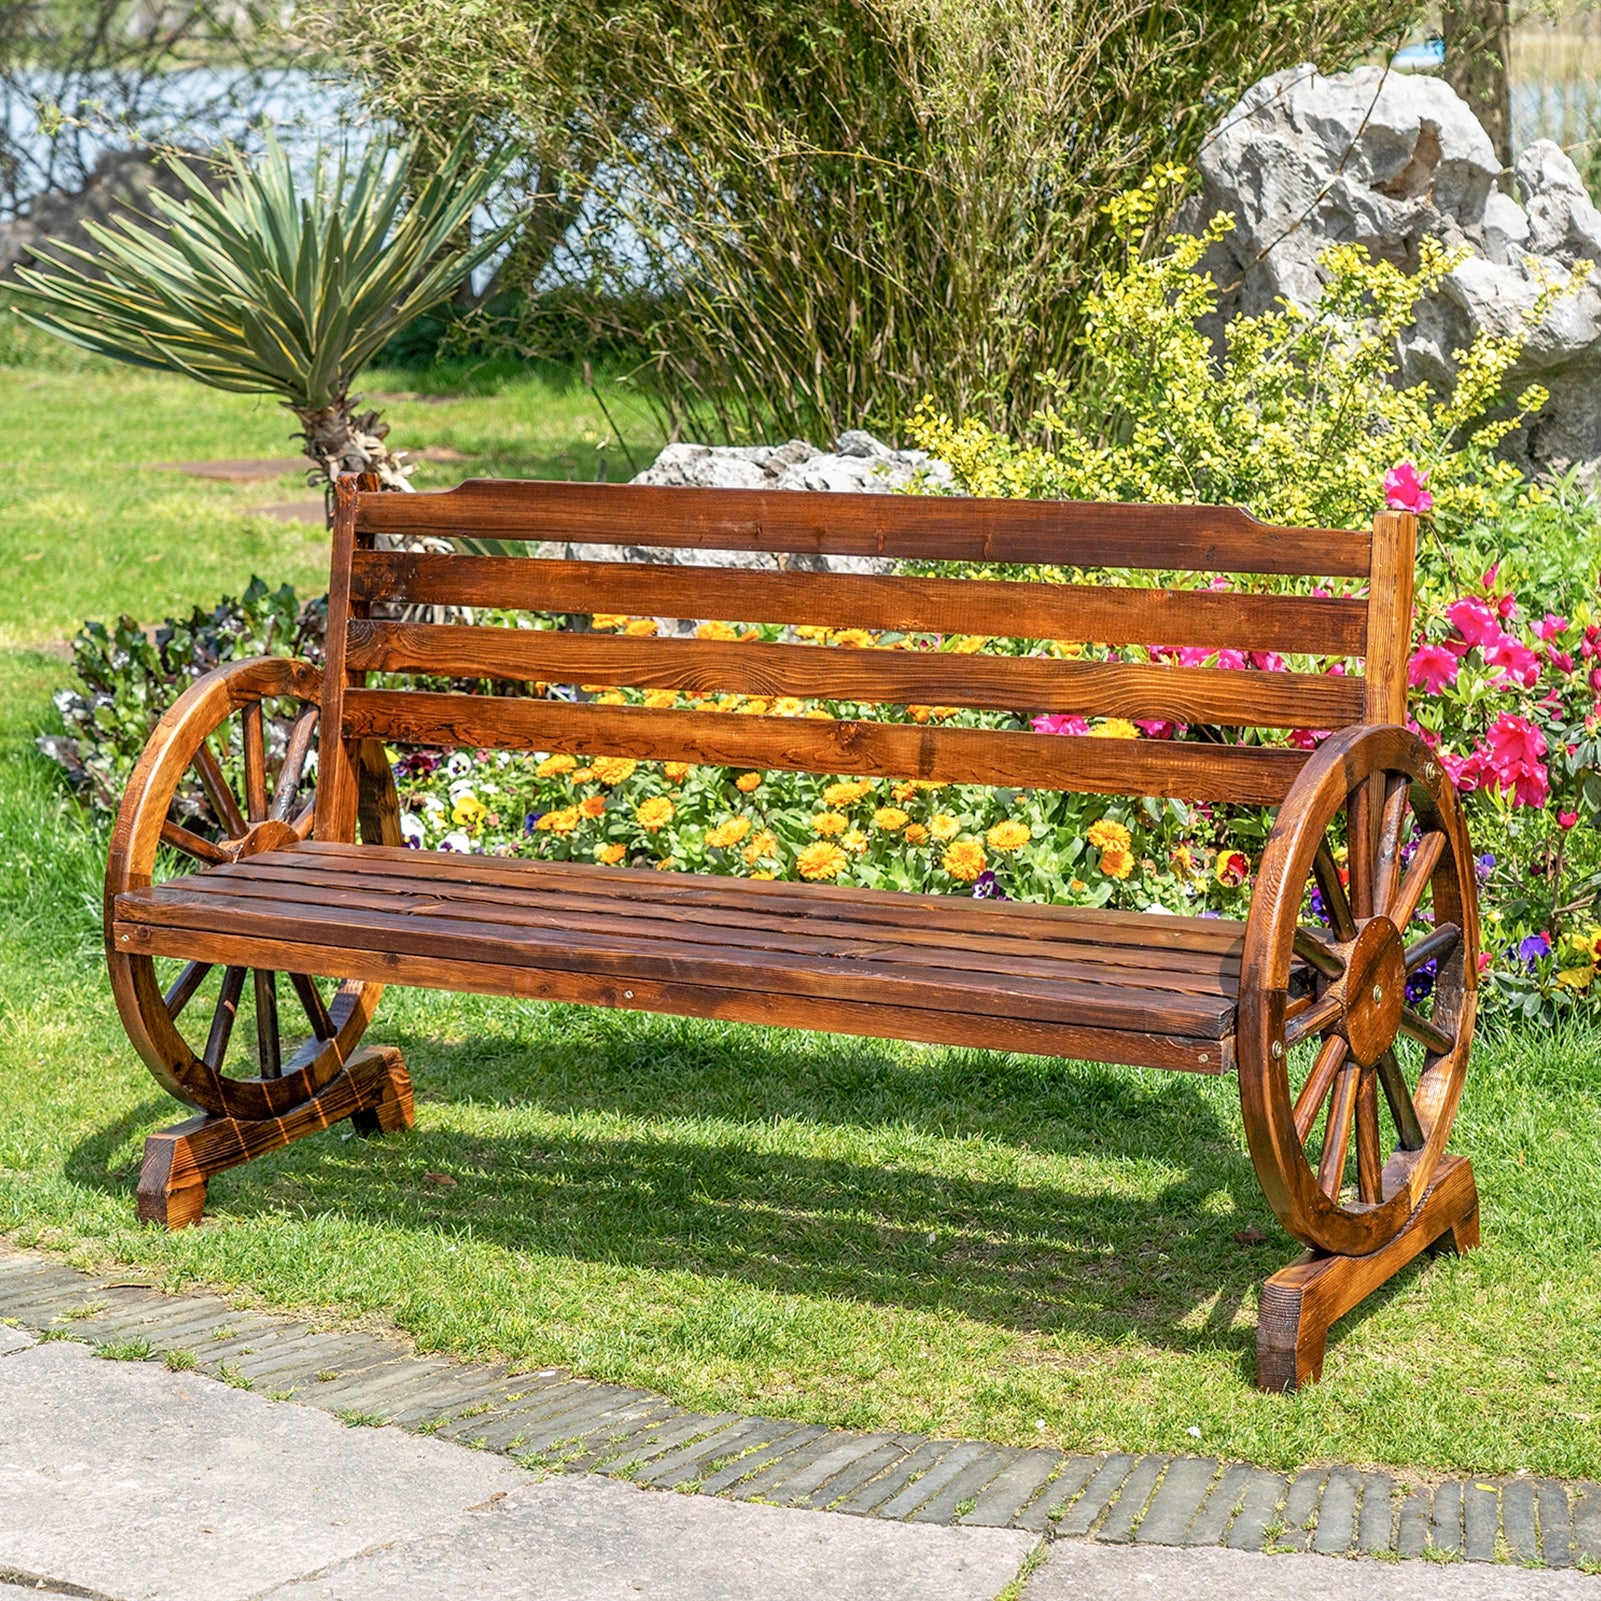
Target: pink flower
(1404, 491)
(1433, 668)
(1529, 783)
(1551, 625)
(1517, 663)
(1514, 740)
(1308, 738)
(1505, 607)
(1474, 621)
(1467, 773)
(1567, 819)
(1154, 728)
(1267, 661)
(1559, 659)
(1060, 723)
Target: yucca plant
(272, 287)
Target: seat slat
(1007, 683)
(1304, 624)
(1248, 775)
(180, 904)
(1211, 539)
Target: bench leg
(374, 1092)
(1301, 1302)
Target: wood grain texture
(1251, 775)
(1304, 624)
(1212, 539)
(901, 678)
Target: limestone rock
(1383, 159)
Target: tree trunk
(340, 442)
(1478, 50)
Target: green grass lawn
(857, 1233)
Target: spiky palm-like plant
(273, 287)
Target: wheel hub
(1375, 990)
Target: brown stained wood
(1337, 1130)
(1210, 539)
(1396, 1091)
(900, 678)
(1432, 946)
(1415, 881)
(1390, 589)
(1136, 1048)
(1299, 624)
(192, 845)
(215, 783)
(313, 1005)
(1335, 900)
(222, 1019)
(296, 750)
(1249, 775)
(269, 1053)
(373, 1090)
(1369, 1158)
(253, 732)
(1313, 1093)
(1302, 1302)
(336, 799)
(1426, 1033)
(184, 987)
(1392, 837)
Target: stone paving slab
(552, 1419)
(579, 1538)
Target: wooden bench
(1348, 1090)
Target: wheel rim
(232, 778)
(1352, 1067)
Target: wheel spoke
(1359, 831)
(1333, 893)
(1417, 1027)
(1369, 1158)
(1316, 1089)
(305, 820)
(1440, 943)
(295, 754)
(1393, 1082)
(1337, 1132)
(311, 1002)
(253, 736)
(1313, 1020)
(1310, 947)
(1392, 825)
(191, 844)
(269, 1049)
(1418, 873)
(233, 985)
(215, 784)
(184, 987)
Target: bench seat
(1143, 988)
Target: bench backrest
(1184, 539)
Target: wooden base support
(1303, 1301)
(374, 1092)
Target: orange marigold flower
(606, 621)
(891, 819)
(676, 772)
(968, 645)
(659, 700)
(852, 638)
(830, 823)
(582, 775)
(657, 812)
(562, 822)
(1107, 833)
(915, 834)
(592, 805)
(855, 842)
(843, 793)
(964, 860)
(716, 631)
(764, 844)
(943, 826)
(554, 765)
(749, 783)
(817, 715)
(641, 627)
(1117, 862)
(754, 708)
(788, 706)
(727, 833)
(612, 697)
(1008, 835)
(820, 860)
(614, 769)
(919, 714)
(610, 855)
(904, 792)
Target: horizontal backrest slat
(1308, 625)
(1214, 539)
(885, 677)
(1247, 775)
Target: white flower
(456, 841)
(411, 827)
(459, 763)
(432, 804)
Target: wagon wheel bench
(302, 895)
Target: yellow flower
(614, 769)
(1114, 728)
(929, 785)
(1069, 648)
(964, 860)
(610, 855)
(592, 805)
(552, 765)
(1109, 832)
(749, 783)
(1008, 835)
(941, 713)
(582, 775)
(764, 872)
(915, 834)
(641, 627)
(968, 645)
(612, 697)
(811, 631)
(657, 812)
(658, 700)
(468, 812)
(563, 822)
(1576, 978)
(855, 842)
(904, 792)
(675, 772)
(817, 715)
(943, 826)
(1183, 861)
(852, 638)
(891, 819)
(820, 860)
(754, 708)
(764, 844)
(919, 714)
(727, 833)
(1117, 862)
(788, 706)
(605, 622)
(1077, 886)
(830, 823)
(843, 794)
(716, 631)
